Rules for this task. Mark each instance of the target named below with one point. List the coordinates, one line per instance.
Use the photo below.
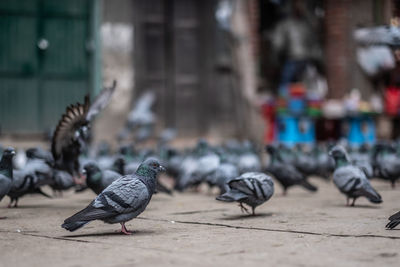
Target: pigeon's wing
(242, 185)
(63, 179)
(91, 213)
(5, 185)
(123, 195)
(369, 192)
(73, 118)
(394, 220)
(101, 101)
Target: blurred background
(265, 70)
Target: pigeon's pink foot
(124, 230)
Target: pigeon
(119, 165)
(325, 163)
(306, 163)
(40, 153)
(350, 179)
(29, 180)
(286, 174)
(222, 175)
(386, 163)
(394, 220)
(6, 171)
(73, 131)
(361, 158)
(98, 180)
(248, 161)
(251, 188)
(121, 201)
(122, 168)
(62, 180)
(140, 118)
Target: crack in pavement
(271, 229)
(30, 233)
(62, 238)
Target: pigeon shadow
(36, 206)
(113, 233)
(362, 206)
(246, 216)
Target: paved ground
(191, 229)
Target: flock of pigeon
(125, 181)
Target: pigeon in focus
(251, 188)
(394, 221)
(121, 201)
(6, 171)
(350, 179)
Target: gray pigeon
(98, 180)
(222, 175)
(6, 171)
(62, 180)
(35, 174)
(285, 173)
(350, 179)
(386, 163)
(251, 188)
(122, 201)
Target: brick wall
(337, 46)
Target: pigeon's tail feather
(40, 192)
(72, 226)
(394, 221)
(395, 216)
(231, 196)
(372, 195)
(308, 186)
(86, 215)
(162, 188)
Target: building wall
(117, 38)
(342, 17)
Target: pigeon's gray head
(338, 153)
(90, 168)
(9, 152)
(150, 166)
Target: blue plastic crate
(361, 130)
(292, 130)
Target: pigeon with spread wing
(72, 131)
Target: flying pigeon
(251, 188)
(350, 179)
(73, 130)
(121, 201)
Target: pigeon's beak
(162, 169)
